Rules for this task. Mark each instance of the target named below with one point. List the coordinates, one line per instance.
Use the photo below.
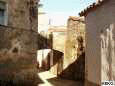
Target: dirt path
(51, 80)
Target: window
(2, 16)
(2, 13)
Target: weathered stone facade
(19, 42)
(58, 37)
(100, 42)
(21, 14)
(58, 45)
(74, 55)
(19, 39)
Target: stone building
(74, 55)
(58, 37)
(58, 34)
(100, 42)
(18, 41)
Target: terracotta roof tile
(92, 7)
(75, 18)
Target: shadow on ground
(73, 75)
(76, 70)
(18, 70)
(64, 82)
(14, 82)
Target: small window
(2, 13)
(2, 17)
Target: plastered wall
(100, 47)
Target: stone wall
(59, 41)
(58, 52)
(58, 34)
(74, 55)
(58, 45)
(18, 60)
(16, 40)
(100, 44)
(22, 14)
(18, 69)
(19, 43)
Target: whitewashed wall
(100, 43)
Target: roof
(57, 29)
(75, 18)
(92, 7)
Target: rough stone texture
(22, 14)
(18, 69)
(59, 41)
(74, 55)
(100, 44)
(18, 44)
(21, 40)
(18, 56)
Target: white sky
(60, 10)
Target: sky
(59, 10)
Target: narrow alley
(52, 80)
(57, 42)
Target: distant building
(50, 56)
(74, 58)
(58, 34)
(58, 37)
(100, 42)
